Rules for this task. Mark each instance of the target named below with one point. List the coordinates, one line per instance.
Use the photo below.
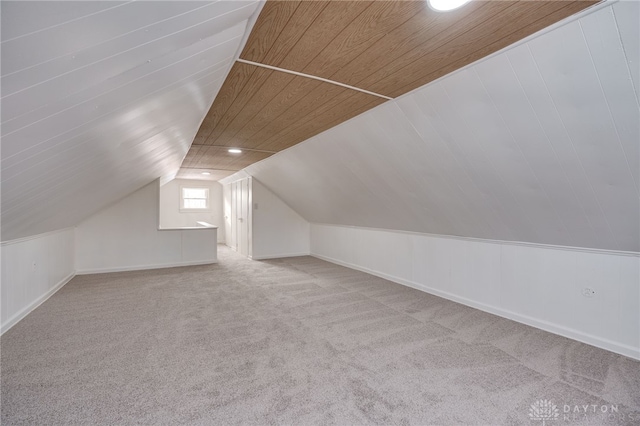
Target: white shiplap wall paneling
(99, 100)
(538, 285)
(626, 18)
(32, 270)
(578, 95)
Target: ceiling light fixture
(235, 151)
(206, 173)
(446, 5)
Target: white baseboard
(144, 267)
(33, 305)
(278, 256)
(589, 339)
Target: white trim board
(608, 345)
(33, 237)
(313, 77)
(279, 256)
(17, 317)
(143, 267)
(484, 240)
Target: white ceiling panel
(539, 143)
(32, 16)
(97, 130)
(50, 87)
(57, 175)
(40, 46)
(626, 17)
(173, 107)
(147, 41)
(74, 113)
(100, 99)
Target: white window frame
(208, 195)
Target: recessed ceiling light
(445, 5)
(235, 151)
(206, 173)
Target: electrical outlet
(588, 292)
(35, 265)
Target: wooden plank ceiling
(385, 47)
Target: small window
(194, 198)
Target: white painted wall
(172, 217)
(278, 231)
(33, 269)
(125, 236)
(533, 284)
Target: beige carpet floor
(294, 341)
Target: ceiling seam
(303, 122)
(310, 61)
(243, 86)
(284, 112)
(313, 77)
(281, 114)
(256, 92)
(226, 113)
(261, 86)
(196, 157)
(238, 60)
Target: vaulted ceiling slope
(539, 143)
(378, 49)
(101, 97)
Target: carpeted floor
(294, 341)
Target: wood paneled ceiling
(373, 50)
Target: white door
(234, 216)
(243, 217)
(226, 190)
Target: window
(194, 199)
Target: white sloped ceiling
(539, 143)
(100, 98)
